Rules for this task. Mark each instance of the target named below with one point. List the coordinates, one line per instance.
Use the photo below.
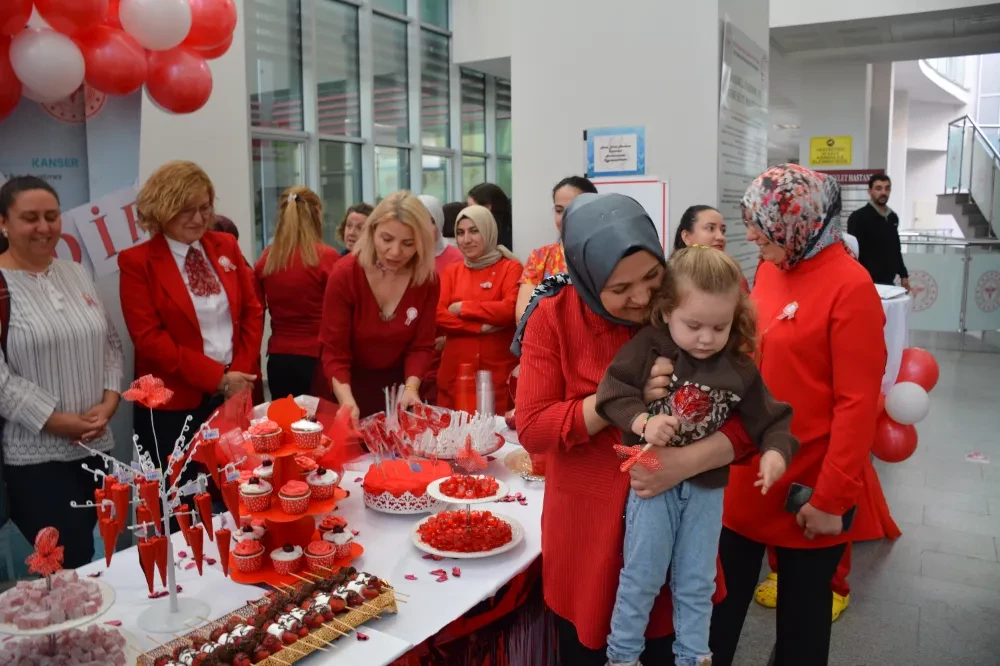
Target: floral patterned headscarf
(796, 208)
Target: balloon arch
(114, 46)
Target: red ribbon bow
(634, 455)
(148, 391)
(48, 556)
(469, 459)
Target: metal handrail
(978, 130)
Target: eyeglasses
(187, 214)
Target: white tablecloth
(389, 553)
(897, 337)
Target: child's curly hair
(714, 272)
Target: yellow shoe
(840, 604)
(766, 593)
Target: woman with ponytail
(291, 278)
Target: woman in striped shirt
(60, 375)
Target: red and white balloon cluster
(115, 46)
(906, 404)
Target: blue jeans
(679, 531)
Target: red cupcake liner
(317, 563)
(322, 492)
(308, 440)
(342, 550)
(285, 567)
(249, 564)
(266, 443)
(294, 505)
(255, 503)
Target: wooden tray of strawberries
(283, 627)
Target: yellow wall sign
(830, 151)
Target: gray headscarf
(434, 207)
(599, 230)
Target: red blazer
(163, 325)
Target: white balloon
(158, 25)
(907, 403)
(48, 63)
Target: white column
(897, 157)
(880, 115)
(576, 65)
(836, 98)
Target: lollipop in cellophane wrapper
(690, 404)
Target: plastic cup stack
(485, 400)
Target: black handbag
(4, 325)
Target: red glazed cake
(320, 556)
(395, 487)
(294, 497)
(249, 555)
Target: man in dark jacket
(876, 227)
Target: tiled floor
(933, 596)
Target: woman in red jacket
(378, 310)
(291, 279)
(569, 335)
(476, 308)
(189, 304)
(821, 350)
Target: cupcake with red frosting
(294, 497)
(322, 482)
(265, 436)
(342, 539)
(329, 522)
(287, 559)
(320, 556)
(256, 494)
(249, 555)
(306, 465)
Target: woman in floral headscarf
(822, 351)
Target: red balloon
(10, 86)
(116, 63)
(14, 15)
(920, 367)
(215, 51)
(72, 16)
(212, 22)
(179, 80)
(880, 405)
(112, 18)
(894, 442)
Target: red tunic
(480, 305)
(360, 349)
(565, 351)
(294, 297)
(827, 361)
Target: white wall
(898, 156)
(924, 181)
(217, 137)
(482, 30)
(835, 101)
(928, 126)
(805, 12)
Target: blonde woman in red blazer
(189, 303)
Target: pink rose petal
(438, 572)
(358, 480)
(361, 636)
(159, 594)
(210, 561)
(410, 577)
(182, 554)
(179, 589)
(355, 532)
(428, 556)
(189, 565)
(441, 579)
(114, 623)
(96, 574)
(491, 458)
(519, 495)
(456, 572)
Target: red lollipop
(690, 404)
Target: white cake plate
(517, 534)
(107, 599)
(434, 490)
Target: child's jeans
(679, 531)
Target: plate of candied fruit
(467, 534)
(467, 489)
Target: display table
(897, 337)
(389, 553)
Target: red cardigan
(163, 325)
(827, 361)
(565, 351)
(294, 296)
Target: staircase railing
(974, 166)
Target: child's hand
(772, 466)
(660, 429)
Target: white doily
(407, 503)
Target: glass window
(473, 111)
(277, 165)
(434, 81)
(274, 57)
(392, 171)
(337, 69)
(339, 184)
(434, 12)
(989, 110)
(990, 74)
(473, 173)
(505, 176)
(392, 108)
(503, 117)
(436, 176)
(398, 6)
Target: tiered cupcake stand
(284, 528)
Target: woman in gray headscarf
(444, 254)
(570, 333)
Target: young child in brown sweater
(706, 325)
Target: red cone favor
(121, 494)
(109, 533)
(150, 494)
(231, 498)
(222, 537)
(204, 503)
(196, 537)
(147, 560)
(160, 551)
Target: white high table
(389, 553)
(897, 337)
